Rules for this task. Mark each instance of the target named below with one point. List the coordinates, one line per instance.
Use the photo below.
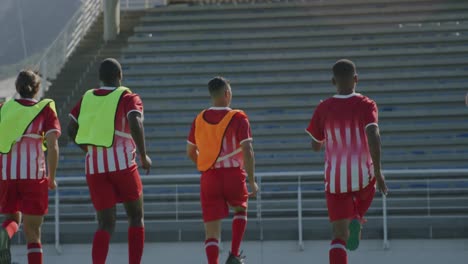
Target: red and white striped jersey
(340, 122)
(26, 160)
(122, 154)
(237, 132)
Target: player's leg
(104, 200)
(129, 189)
(214, 208)
(340, 211)
(212, 235)
(362, 201)
(337, 253)
(34, 205)
(106, 226)
(9, 207)
(32, 231)
(9, 227)
(236, 193)
(136, 230)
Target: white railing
(57, 54)
(295, 176)
(141, 4)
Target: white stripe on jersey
(333, 173)
(90, 161)
(121, 157)
(23, 162)
(338, 139)
(111, 159)
(343, 174)
(355, 172)
(14, 159)
(34, 159)
(4, 163)
(100, 160)
(128, 145)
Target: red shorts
(29, 197)
(221, 188)
(108, 189)
(350, 205)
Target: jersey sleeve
(132, 103)
(52, 124)
(316, 126)
(191, 136)
(75, 112)
(370, 114)
(244, 132)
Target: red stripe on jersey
(18, 160)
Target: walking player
(347, 125)
(108, 125)
(25, 124)
(220, 144)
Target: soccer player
(220, 144)
(347, 124)
(107, 123)
(25, 124)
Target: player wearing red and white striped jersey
(25, 177)
(347, 124)
(224, 173)
(111, 171)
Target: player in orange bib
(220, 144)
(25, 124)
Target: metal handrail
(260, 176)
(287, 174)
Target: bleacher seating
(411, 57)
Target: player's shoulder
(365, 100)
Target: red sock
(11, 227)
(34, 253)
(238, 229)
(136, 242)
(100, 246)
(212, 250)
(338, 252)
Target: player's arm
(373, 140)
(135, 120)
(52, 157)
(317, 145)
(315, 130)
(249, 165)
(72, 131)
(192, 152)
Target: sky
(42, 21)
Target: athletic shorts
(221, 188)
(108, 189)
(352, 205)
(29, 197)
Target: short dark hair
(217, 85)
(110, 70)
(344, 69)
(28, 83)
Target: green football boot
(354, 235)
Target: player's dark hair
(344, 69)
(28, 83)
(110, 71)
(217, 86)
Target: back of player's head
(110, 71)
(344, 69)
(27, 83)
(217, 86)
